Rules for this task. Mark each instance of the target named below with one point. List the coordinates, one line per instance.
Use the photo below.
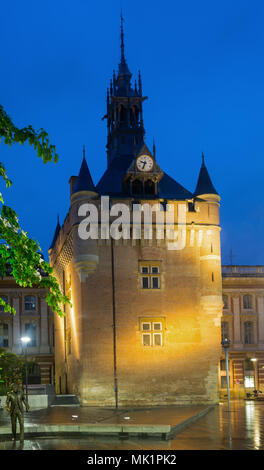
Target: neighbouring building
(243, 324)
(145, 323)
(33, 318)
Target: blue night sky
(202, 69)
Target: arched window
(248, 332)
(247, 301)
(149, 187)
(122, 115)
(225, 301)
(137, 187)
(224, 330)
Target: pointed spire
(139, 83)
(56, 233)
(123, 68)
(84, 181)
(154, 149)
(204, 184)
(122, 39)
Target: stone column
(237, 328)
(17, 347)
(260, 310)
(44, 331)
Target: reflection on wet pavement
(215, 431)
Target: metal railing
(243, 271)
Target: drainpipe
(114, 322)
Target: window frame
(5, 337)
(247, 296)
(246, 324)
(148, 277)
(30, 303)
(152, 332)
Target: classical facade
(243, 324)
(34, 319)
(145, 322)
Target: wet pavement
(82, 415)
(215, 431)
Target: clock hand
(143, 163)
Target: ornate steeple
(124, 111)
(204, 183)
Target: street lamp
(226, 344)
(25, 340)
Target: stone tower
(144, 327)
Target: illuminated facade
(145, 322)
(243, 324)
(34, 319)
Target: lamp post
(226, 344)
(25, 340)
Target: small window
(145, 282)
(191, 207)
(155, 269)
(224, 330)
(146, 339)
(249, 381)
(157, 339)
(145, 269)
(5, 299)
(225, 301)
(4, 335)
(152, 332)
(155, 283)
(248, 332)
(146, 326)
(248, 365)
(247, 302)
(150, 274)
(30, 302)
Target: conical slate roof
(84, 181)
(204, 184)
(57, 230)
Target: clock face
(144, 163)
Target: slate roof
(111, 181)
(84, 181)
(204, 184)
(56, 233)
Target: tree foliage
(12, 369)
(20, 253)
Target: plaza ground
(242, 429)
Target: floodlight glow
(25, 339)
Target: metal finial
(83, 151)
(202, 158)
(139, 83)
